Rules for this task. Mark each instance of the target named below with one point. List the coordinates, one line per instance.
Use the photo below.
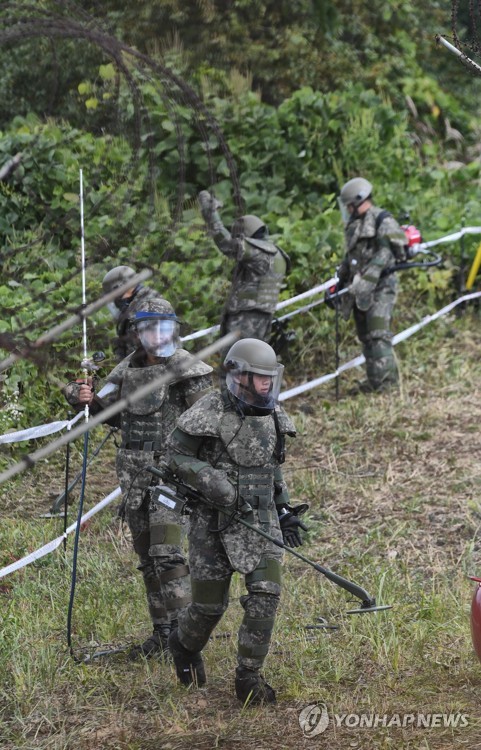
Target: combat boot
(155, 645)
(188, 664)
(251, 688)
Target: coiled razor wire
(24, 22)
(457, 46)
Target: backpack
(413, 238)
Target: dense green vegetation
(378, 98)
(273, 105)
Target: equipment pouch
(167, 498)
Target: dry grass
(393, 482)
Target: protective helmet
(116, 277)
(476, 617)
(157, 327)
(356, 191)
(248, 226)
(253, 374)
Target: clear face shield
(259, 390)
(158, 337)
(113, 309)
(345, 213)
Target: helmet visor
(113, 309)
(257, 389)
(158, 337)
(345, 215)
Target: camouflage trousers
(157, 539)
(211, 574)
(374, 332)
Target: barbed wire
(25, 22)
(472, 43)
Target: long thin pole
(84, 292)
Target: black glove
(290, 524)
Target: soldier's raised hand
(208, 203)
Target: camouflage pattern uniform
(126, 340)
(258, 277)
(259, 273)
(235, 461)
(370, 251)
(145, 426)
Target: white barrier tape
(429, 318)
(40, 431)
(356, 362)
(401, 336)
(198, 334)
(280, 306)
(51, 546)
(310, 293)
(11, 437)
(323, 379)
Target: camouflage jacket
(152, 418)
(235, 461)
(370, 251)
(258, 275)
(146, 424)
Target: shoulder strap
(380, 218)
(280, 451)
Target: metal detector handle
(154, 470)
(187, 492)
(353, 588)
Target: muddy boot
(251, 688)
(154, 645)
(188, 664)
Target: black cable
(75, 547)
(65, 495)
(69, 487)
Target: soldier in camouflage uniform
(229, 446)
(145, 426)
(259, 273)
(374, 242)
(123, 308)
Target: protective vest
(152, 418)
(254, 291)
(245, 447)
(366, 235)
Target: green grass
(393, 484)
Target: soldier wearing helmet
(374, 242)
(259, 273)
(145, 426)
(123, 308)
(230, 447)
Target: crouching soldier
(229, 446)
(145, 426)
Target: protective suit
(259, 273)
(145, 426)
(230, 448)
(374, 242)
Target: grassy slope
(393, 483)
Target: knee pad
(210, 597)
(266, 578)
